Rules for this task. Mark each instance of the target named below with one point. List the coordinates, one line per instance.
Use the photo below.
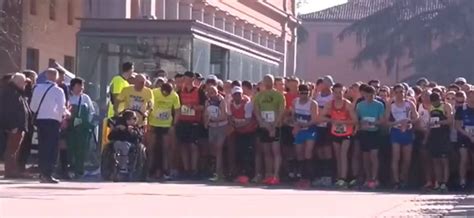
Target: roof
(355, 10)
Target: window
(325, 44)
(51, 62)
(70, 12)
(33, 7)
(32, 59)
(52, 9)
(69, 63)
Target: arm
(280, 113)
(414, 114)
(256, 111)
(223, 111)
(12, 110)
(449, 114)
(352, 114)
(177, 109)
(60, 99)
(314, 113)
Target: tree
(436, 36)
(10, 34)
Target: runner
(421, 133)
(465, 126)
(305, 114)
(324, 148)
(400, 115)
(245, 125)
(215, 119)
(370, 113)
(269, 108)
(287, 138)
(441, 119)
(165, 113)
(138, 98)
(189, 126)
(342, 118)
(118, 83)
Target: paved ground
(31, 199)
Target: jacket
(14, 110)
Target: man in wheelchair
(125, 155)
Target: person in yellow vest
(138, 98)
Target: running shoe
(257, 179)
(462, 186)
(303, 184)
(372, 184)
(267, 180)
(274, 181)
(443, 188)
(353, 183)
(341, 184)
(317, 182)
(326, 181)
(243, 180)
(215, 178)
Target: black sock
(292, 166)
(326, 168)
(308, 169)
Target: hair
(189, 74)
(399, 86)
(167, 87)
(29, 73)
(127, 66)
(437, 89)
(363, 87)
(454, 86)
(18, 76)
(319, 81)
(422, 80)
(178, 75)
(337, 85)
(76, 81)
(279, 79)
(236, 83)
(303, 88)
(460, 94)
(128, 114)
(60, 70)
(369, 89)
(470, 92)
(247, 84)
(293, 79)
(432, 84)
(373, 81)
(418, 90)
(435, 97)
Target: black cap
(189, 74)
(198, 76)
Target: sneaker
(396, 186)
(462, 186)
(215, 178)
(327, 181)
(341, 184)
(317, 182)
(257, 179)
(303, 184)
(443, 188)
(372, 184)
(353, 183)
(243, 180)
(267, 180)
(274, 181)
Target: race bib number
(370, 121)
(469, 130)
(34, 138)
(136, 105)
(187, 111)
(434, 122)
(163, 114)
(268, 116)
(213, 112)
(236, 120)
(340, 128)
(301, 120)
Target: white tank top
(323, 100)
(424, 116)
(302, 111)
(400, 113)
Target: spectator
(25, 149)
(15, 121)
(49, 105)
(3, 82)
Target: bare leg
(276, 151)
(395, 163)
(406, 162)
(374, 159)
(344, 158)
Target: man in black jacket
(15, 118)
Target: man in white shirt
(48, 103)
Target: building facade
(323, 53)
(238, 39)
(40, 32)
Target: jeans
(48, 140)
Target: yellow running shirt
(135, 100)
(116, 86)
(162, 115)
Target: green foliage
(436, 36)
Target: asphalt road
(93, 199)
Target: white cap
(460, 79)
(328, 80)
(211, 77)
(237, 89)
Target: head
(247, 87)
(52, 75)
(425, 97)
(470, 97)
(375, 83)
(19, 80)
(399, 92)
(422, 82)
(435, 99)
(166, 89)
(130, 117)
(161, 73)
(212, 91)
(454, 88)
(77, 85)
(303, 91)
(363, 90)
(369, 93)
(159, 82)
(460, 97)
(237, 93)
(292, 83)
(198, 79)
(450, 97)
(131, 79)
(460, 81)
(280, 84)
(384, 93)
(466, 87)
(236, 83)
(328, 82)
(338, 91)
(31, 75)
(319, 84)
(227, 86)
(140, 81)
(268, 81)
(188, 79)
(127, 69)
(354, 92)
(61, 75)
(179, 80)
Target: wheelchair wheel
(107, 162)
(140, 171)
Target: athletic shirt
(302, 111)
(189, 99)
(341, 114)
(466, 115)
(438, 114)
(424, 116)
(213, 110)
(400, 113)
(323, 100)
(242, 112)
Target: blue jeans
(48, 140)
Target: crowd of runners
(322, 134)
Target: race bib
(34, 138)
(163, 114)
(268, 116)
(434, 122)
(236, 120)
(370, 121)
(213, 112)
(187, 111)
(340, 128)
(136, 105)
(469, 130)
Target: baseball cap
(212, 77)
(236, 89)
(328, 80)
(460, 80)
(198, 76)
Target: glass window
(52, 9)
(33, 7)
(325, 44)
(201, 56)
(70, 12)
(32, 59)
(69, 63)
